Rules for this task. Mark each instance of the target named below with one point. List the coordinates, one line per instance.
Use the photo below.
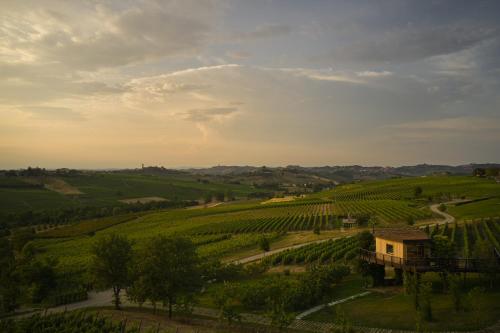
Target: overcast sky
(96, 84)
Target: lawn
(395, 310)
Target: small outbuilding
(349, 222)
(405, 244)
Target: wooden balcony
(422, 264)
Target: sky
(182, 83)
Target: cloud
(461, 124)
(205, 115)
(89, 37)
(265, 31)
(374, 74)
(413, 43)
(321, 75)
(52, 113)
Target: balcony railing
(423, 264)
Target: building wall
(380, 246)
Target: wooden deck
(423, 264)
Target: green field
(107, 189)
(246, 221)
(485, 208)
(403, 188)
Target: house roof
(400, 235)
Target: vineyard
(403, 189)
(330, 251)
(466, 235)
(325, 216)
(66, 322)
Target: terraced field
(403, 188)
(233, 227)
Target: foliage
(110, 266)
(9, 287)
(475, 303)
(324, 252)
(342, 322)
(366, 240)
(64, 322)
(456, 293)
(225, 300)
(425, 307)
(264, 244)
(167, 268)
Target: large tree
(110, 267)
(9, 284)
(169, 268)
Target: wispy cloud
(208, 114)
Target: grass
(390, 308)
(106, 189)
(486, 208)
(403, 188)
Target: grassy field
(395, 310)
(485, 208)
(403, 188)
(107, 189)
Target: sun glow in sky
(97, 84)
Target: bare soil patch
(276, 200)
(54, 184)
(143, 200)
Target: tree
(417, 191)
(410, 220)
(264, 244)
(444, 249)
(487, 261)
(9, 285)
(278, 298)
(40, 277)
(169, 267)
(456, 292)
(475, 302)
(110, 266)
(207, 198)
(366, 240)
(225, 301)
(425, 300)
(316, 229)
(219, 196)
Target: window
(389, 248)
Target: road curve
(447, 217)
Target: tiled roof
(401, 234)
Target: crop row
(467, 235)
(328, 251)
(325, 216)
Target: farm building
(410, 249)
(349, 222)
(406, 244)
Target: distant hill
(342, 174)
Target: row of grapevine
(465, 236)
(325, 216)
(328, 251)
(66, 322)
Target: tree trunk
(116, 301)
(170, 309)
